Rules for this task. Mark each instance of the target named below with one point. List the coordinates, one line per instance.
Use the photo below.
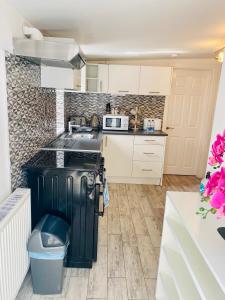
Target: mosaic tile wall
(59, 112)
(86, 104)
(32, 113)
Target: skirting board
(134, 180)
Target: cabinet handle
(149, 140)
(145, 170)
(100, 85)
(123, 91)
(106, 141)
(148, 153)
(154, 92)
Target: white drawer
(147, 169)
(149, 140)
(148, 152)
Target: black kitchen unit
(69, 184)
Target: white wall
(5, 182)
(219, 114)
(11, 24)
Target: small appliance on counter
(108, 108)
(115, 122)
(95, 124)
(157, 123)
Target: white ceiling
(132, 28)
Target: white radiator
(15, 228)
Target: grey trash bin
(47, 248)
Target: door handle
(168, 127)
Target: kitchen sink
(79, 135)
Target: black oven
(73, 193)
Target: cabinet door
(123, 79)
(155, 80)
(118, 153)
(58, 78)
(103, 78)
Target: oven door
(113, 123)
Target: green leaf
(213, 211)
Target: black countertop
(67, 142)
(138, 132)
(81, 161)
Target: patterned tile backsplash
(31, 111)
(86, 104)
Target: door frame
(206, 119)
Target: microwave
(115, 122)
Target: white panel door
(189, 89)
(155, 80)
(118, 154)
(123, 79)
(103, 78)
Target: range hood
(50, 51)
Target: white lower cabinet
(148, 153)
(134, 159)
(146, 169)
(118, 153)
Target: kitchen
(99, 138)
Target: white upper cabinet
(103, 78)
(94, 78)
(155, 80)
(123, 79)
(58, 78)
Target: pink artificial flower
(212, 161)
(218, 199)
(221, 183)
(212, 184)
(218, 202)
(218, 148)
(220, 212)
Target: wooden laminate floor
(128, 249)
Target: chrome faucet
(71, 126)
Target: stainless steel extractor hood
(50, 51)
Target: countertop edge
(136, 133)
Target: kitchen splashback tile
(31, 112)
(86, 104)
